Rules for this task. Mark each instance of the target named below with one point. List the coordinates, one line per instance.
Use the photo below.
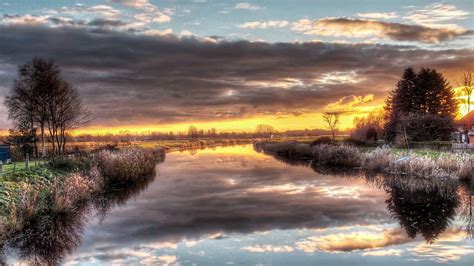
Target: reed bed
(447, 165)
(125, 165)
(63, 185)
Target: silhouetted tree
(422, 93)
(373, 122)
(193, 132)
(264, 130)
(332, 121)
(41, 97)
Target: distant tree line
(41, 98)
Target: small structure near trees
(465, 125)
(5, 153)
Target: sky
(164, 65)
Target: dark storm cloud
(106, 23)
(128, 77)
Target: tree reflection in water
(421, 210)
(466, 194)
(46, 239)
(425, 207)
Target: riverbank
(63, 184)
(443, 165)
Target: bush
(377, 160)
(354, 142)
(126, 165)
(323, 140)
(345, 156)
(72, 164)
(75, 188)
(427, 127)
(465, 170)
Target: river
(234, 206)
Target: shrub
(466, 168)
(377, 160)
(323, 140)
(287, 149)
(126, 165)
(72, 164)
(354, 142)
(75, 188)
(345, 156)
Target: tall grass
(447, 165)
(62, 185)
(125, 165)
(346, 156)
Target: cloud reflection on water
(247, 208)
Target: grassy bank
(444, 165)
(63, 184)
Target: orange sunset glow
(232, 132)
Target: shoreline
(382, 160)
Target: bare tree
(264, 130)
(467, 88)
(66, 112)
(332, 121)
(192, 132)
(41, 97)
(31, 91)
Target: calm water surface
(233, 206)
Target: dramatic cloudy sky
(163, 65)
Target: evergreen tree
(400, 102)
(424, 93)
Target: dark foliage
(427, 127)
(323, 140)
(424, 93)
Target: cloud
(141, 4)
(102, 23)
(246, 6)
(117, 71)
(264, 24)
(345, 242)
(349, 103)
(24, 19)
(268, 249)
(436, 15)
(153, 17)
(344, 27)
(158, 32)
(378, 15)
(101, 10)
(448, 247)
(187, 210)
(383, 252)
